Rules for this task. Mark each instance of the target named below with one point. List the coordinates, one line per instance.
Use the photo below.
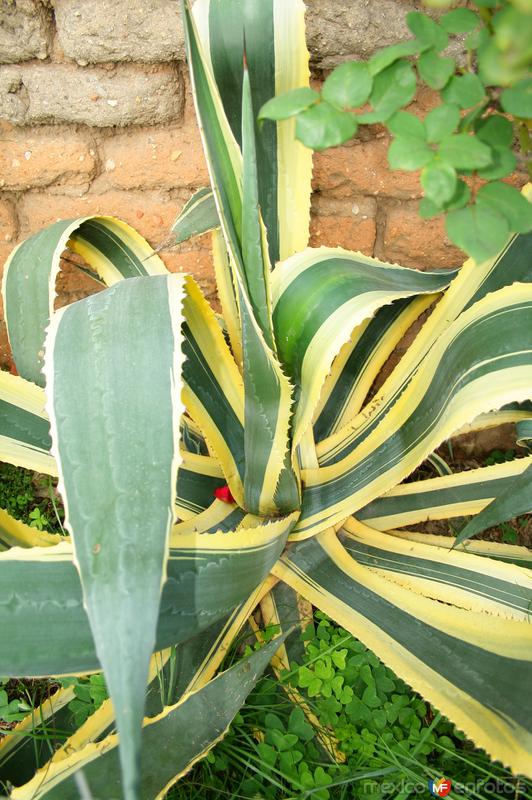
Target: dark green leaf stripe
(439, 498)
(48, 627)
(256, 260)
(483, 585)
(225, 182)
(228, 30)
(167, 753)
(320, 290)
(473, 283)
(195, 490)
(287, 605)
(264, 405)
(192, 439)
(199, 215)
(360, 357)
(492, 679)
(111, 248)
(512, 264)
(23, 426)
(201, 381)
(473, 349)
(267, 393)
(100, 234)
(514, 500)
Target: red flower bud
(223, 493)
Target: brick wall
(96, 117)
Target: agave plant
(205, 460)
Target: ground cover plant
(375, 751)
(146, 404)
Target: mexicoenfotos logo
(440, 787)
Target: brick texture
(343, 29)
(96, 118)
(8, 222)
(25, 31)
(150, 212)
(164, 157)
(362, 168)
(125, 95)
(415, 242)
(349, 224)
(92, 31)
(31, 158)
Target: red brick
(8, 222)
(31, 159)
(158, 157)
(151, 213)
(337, 223)
(415, 242)
(196, 262)
(362, 168)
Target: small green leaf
(459, 20)
(439, 181)
(503, 162)
(370, 697)
(476, 39)
(509, 202)
(323, 670)
(321, 778)
(441, 122)
(465, 152)
(298, 725)
(405, 124)
(348, 86)
(517, 100)
(357, 710)
(461, 196)
(289, 760)
(289, 104)
(471, 118)
(478, 230)
(346, 695)
(464, 90)
(393, 88)
(495, 130)
(408, 154)
(435, 70)
(367, 675)
(314, 688)
(282, 741)
(427, 32)
(383, 58)
(428, 209)
(274, 722)
(495, 68)
(324, 126)
(267, 753)
(338, 658)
